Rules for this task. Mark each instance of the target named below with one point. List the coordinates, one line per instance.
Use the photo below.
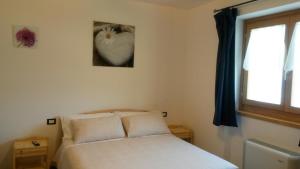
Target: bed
(156, 151)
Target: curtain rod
(237, 5)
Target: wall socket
(51, 121)
(164, 114)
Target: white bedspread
(152, 152)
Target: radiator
(259, 155)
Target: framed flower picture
(24, 37)
(113, 45)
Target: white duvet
(151, 152)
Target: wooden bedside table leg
(44, 161)
(14, 161)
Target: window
(271, 67)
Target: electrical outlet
(51, 121)
(164, 114)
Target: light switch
(51, 121)
(164, 114)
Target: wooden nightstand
(182, 132)
(28, 156)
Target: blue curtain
(225, 112)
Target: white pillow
(97, 129)
(66, 122)
(143, 125)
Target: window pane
(265, 60)
(296, 67)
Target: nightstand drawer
(183, 135)
(182, 132)
(31, 152)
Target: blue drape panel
(225, 112)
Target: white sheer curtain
(293, 64)
(264, 62)
(289, 65)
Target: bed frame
(113, 110)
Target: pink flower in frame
(26, 37)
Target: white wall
(201, 55)
(58, 78)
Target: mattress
(150, 152)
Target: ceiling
(185, 4)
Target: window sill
(283, 118)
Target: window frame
(255, 109)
